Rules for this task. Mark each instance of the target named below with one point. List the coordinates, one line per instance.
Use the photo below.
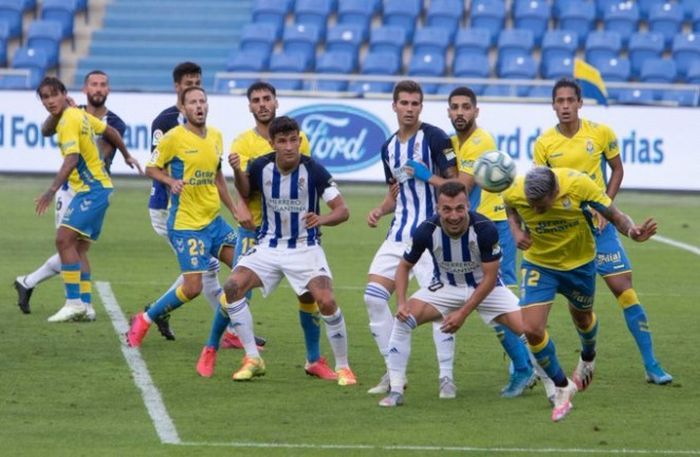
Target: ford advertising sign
(342, 138)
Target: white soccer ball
(494, 171)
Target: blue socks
(514, 347)
(172, 300)
(638, 326)
(546, 355)
(218, 327)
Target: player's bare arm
(44, 200)
(112, 136)
(625, 225)
(467, 180)
(175, 185)
(454, 321)
(387, 206)
(339, 214)
(240, 177)
(401, 280)
(515, 222)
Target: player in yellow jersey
(548, 214)
(85, 173)
(249, 145)
(188, 161)
(588, 147)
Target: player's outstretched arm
(113, 137)
(44, 200)
(515, 222)
(625, 225)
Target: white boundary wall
(659, 145)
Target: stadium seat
(559, 44)
(689, 8)
(402, 13)
(62, 11)
(520, 67)
(313, 12)
(45, 35)
(358, 12)
(11, 14)
(602, 6)
(427, 65)
(692, 76)
(489, 15)
(603, 45)
(540, 92)
(334, 62)
(346, 38)
(557, 67)
(578, 17)
(498, 90)
(431, 40)
(285, 62)
(387, 38)
(645, 7)
(532, 15)
(559, 5)
(445, 14)
(696, 20)
(681, 97)
(472, 41)
(658, 71)
(247, 61)
(29, 6)
(667, 19)
(636, 97)
(514, 42)
(377, 63)
(623, 18)
(258, 38)
(34, 60)
(472, 66)
(4, 37)
(271, 12)
(643, 46)
(614, 70)
(686, 50)
(301, 39)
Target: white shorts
(159, 222)
(446, 299)
(299, 266)
(63, 198)
(388, 257)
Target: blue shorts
(194, 247)
(510, 252)
(611, 258)
(246, 240)
(539, 285)
(86, 212)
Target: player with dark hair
(590, 147)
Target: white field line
(165, 427)
(686, 247)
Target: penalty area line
(164, 425)
(686, 247)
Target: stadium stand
(346, 38)
(643, 46)
(34, 60)
(532, 15)
(314, 13)
(667, 19)
(431, 40)
(4, 37)
(402, 13)
(559, 44)
(489, 15)
(427, 64)
(63, 12)
(686, 50)
(446, 15)
(623, 18)
(472, 41)
(357, 12)
(578, 17)
(601, 45)
(11, 14)
(46, 35)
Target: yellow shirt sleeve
(304, 146)
(611, 148)
(68, 130)
(96, 124)
(163, 153)
(540, 154)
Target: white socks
(242, 320)
(445, 349)
(49, 269)
(380, 318)
(337, 337)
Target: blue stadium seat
(34, 60)
(489, 15)
(696, 20)
(387, 38)
(247, 61)
(472, 66)
(4, 37)
(532, 15)
(667, 19)
(427, 65)
(643, 46)
(258, 38)
(346, 38)
(602, 45)
(45, 35)
(686, 50)
(623, 18)
(689, 8)
(357, 12)
(557, 67)
(658, 71)
(519, 67)
(445, 89)
(62, 11)
(431, 40)
(445, 14)
(11, 13)
(680, 97)
(514, 42)
(692, 76)
(602, 6)
(403, 13)
(377, 63)
(313, 12)
(29, 6)
(472, 41)
(285, 62)
(559, 5)
(540, 92)
(636, 97)
(334, 62)
(499, 91)
(301, 39)
(271, 12)
(559, 44)
(578, 17)
(614, 70)
(645, 7)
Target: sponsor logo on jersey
(342, 138)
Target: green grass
(66, 390)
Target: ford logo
(342, 138)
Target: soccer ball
(494, 171)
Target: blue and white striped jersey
(168, 119)
(287, 198)
(457, 261)
(416, 200)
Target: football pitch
(75, 389)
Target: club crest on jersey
(194, 261)
(268, 183)
(566, 202)
(416, 148)
(589, 146)
(302, 183)
(476, 140)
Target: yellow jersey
(250, 145)
(587, 151)
(562, 237)
(195, 160)
(75, 133)
(479, 142)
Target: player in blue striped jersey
(465, 253)
(411, 201)
(288, 243)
